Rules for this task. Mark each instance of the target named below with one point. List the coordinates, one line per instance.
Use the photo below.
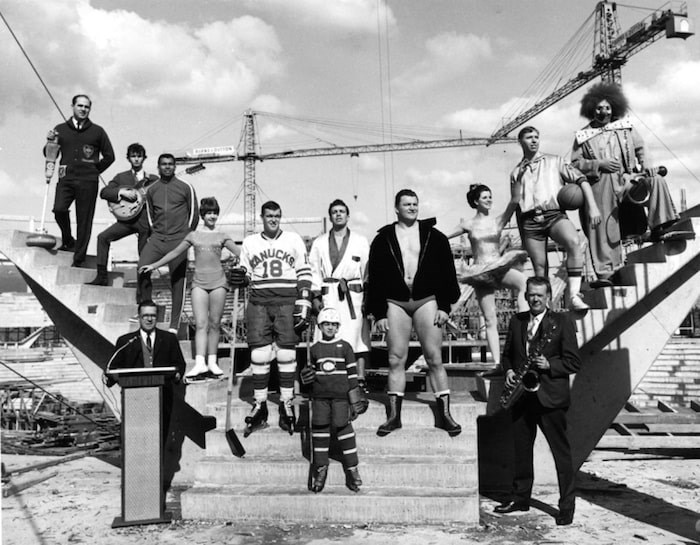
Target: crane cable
(664, 145)
(26, 56)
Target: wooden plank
(674, 428)
(637, 442)
(653, 418)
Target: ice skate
(287, 417)
(257, 419)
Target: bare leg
(564, 233)
(217, 299)
(516, 281)
(487, 303)
(200, 308)
(430, 337)
(537, 251)
(397, 343)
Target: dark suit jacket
(166, 351)
(561, 352)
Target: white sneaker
(576, 303)
(214, 369)
(198, 369)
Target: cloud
(448, 56)
(348, 15)
(130, 60)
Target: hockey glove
(358, 402)
(307, 374)
(302, 311)
(237, 277)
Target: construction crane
(612, 49)
(249, 156)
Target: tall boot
(393, 421)
(102, 279)
(445, 420)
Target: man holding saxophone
(545, 341)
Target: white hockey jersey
(277, 268)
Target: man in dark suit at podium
(150, 347)
(547, 341)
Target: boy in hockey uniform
(336, 399)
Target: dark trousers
(84, 194)
(527, 414)
(155, 248)
(118, 231)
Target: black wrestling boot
(102, 279)
(393, 414)
(445, 420)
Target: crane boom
(350, 150)
(607, 63)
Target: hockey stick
(231, 438)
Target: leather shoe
(511, 506)
(565, 517)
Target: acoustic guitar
(127, 209)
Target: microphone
(109, 363)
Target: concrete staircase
(414, 475)
(674, 379)
(90, 318)
(627, 329)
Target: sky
(176, 75)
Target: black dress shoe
(565, 517)
(512, 506)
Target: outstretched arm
(167, 258)
(459, 230)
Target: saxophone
(527, 378)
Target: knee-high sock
(346, 437)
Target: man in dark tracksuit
(81, 143)
(172, 213)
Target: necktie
(149, 345)
(531, 329)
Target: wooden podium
(142, 438)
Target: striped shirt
(336, 369)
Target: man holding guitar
(125, 196)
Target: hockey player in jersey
(336, 399)
(338, 265)
(276, 266)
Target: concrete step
(272, 441)
(674, 379)
(653, 253)
(376, 471)
(675, 388)
(271, 504)
(613, 298)
(75, 275)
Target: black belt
(343, 292)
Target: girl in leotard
(491, 269)
(209, 285)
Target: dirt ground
(623, 498)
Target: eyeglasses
(149, 316)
